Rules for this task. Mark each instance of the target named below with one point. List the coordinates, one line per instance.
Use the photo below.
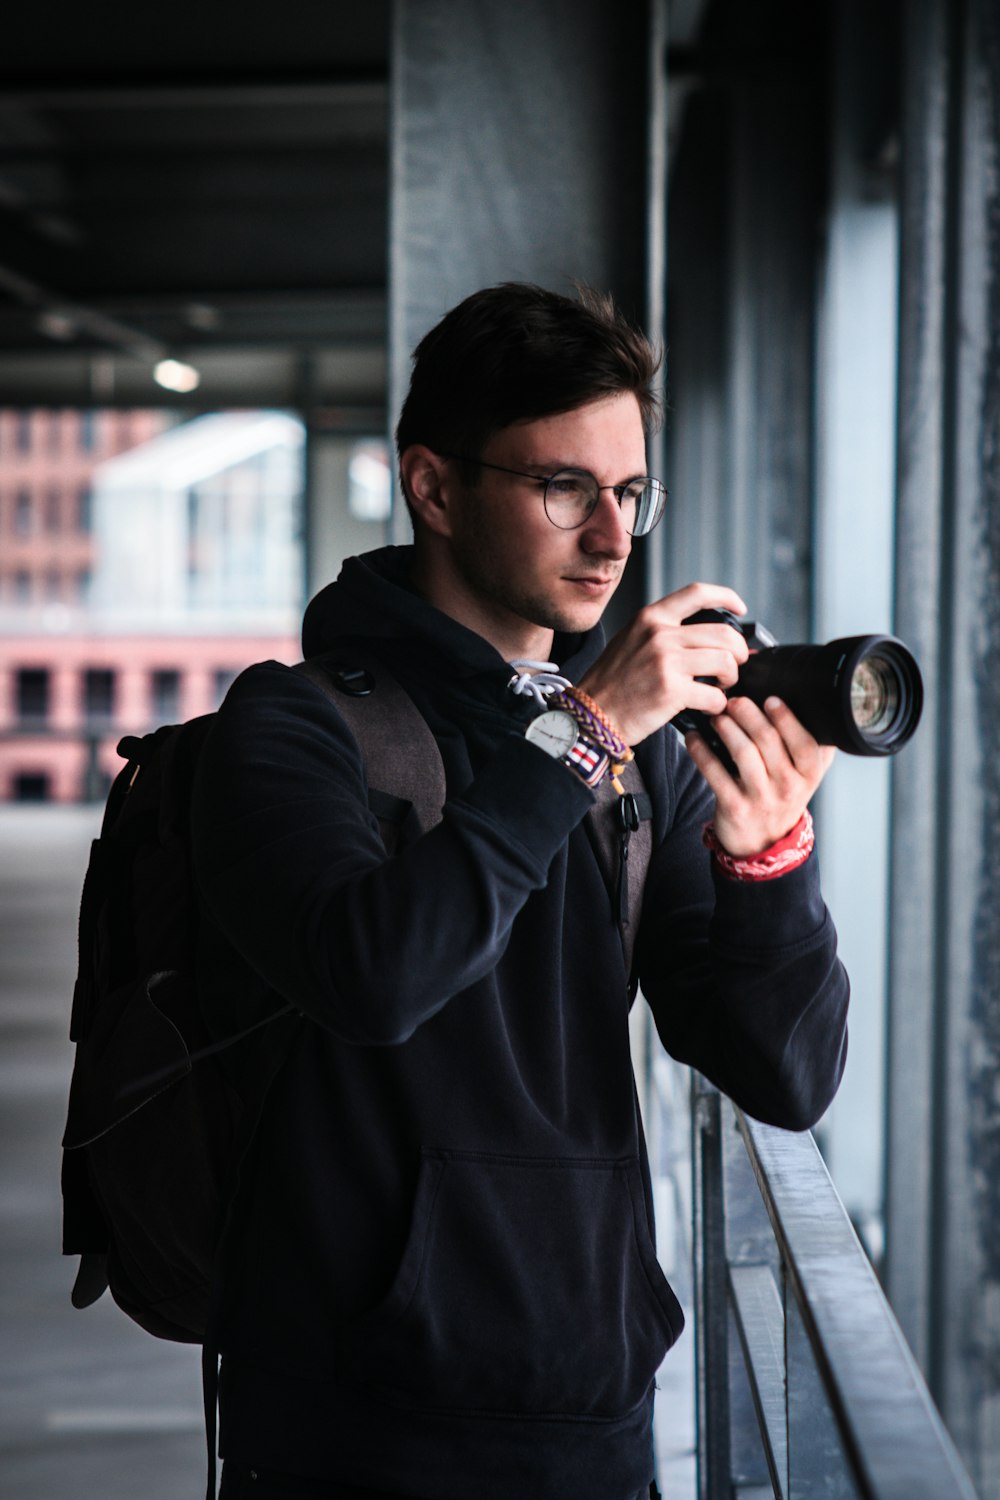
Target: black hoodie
(445, 1281)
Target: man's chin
(575, 621)
(586, 613)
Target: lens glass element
(874, 695)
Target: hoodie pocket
(527, 1287)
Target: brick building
(47, 464)
(142, 566)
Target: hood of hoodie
(374, 600)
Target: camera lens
(862, 693)
(875, 695)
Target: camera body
(862, 693)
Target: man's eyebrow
(557, 465)
(552, 465)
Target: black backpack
(156, 1125)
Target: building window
(31, 786)
(81, 585)
(84, 509)
(369, 483)
(22, 586)
(224, 679)
(165, 695)
(88, 431)
(32, 689)
(55, 431)
(53, 586)
(22, 432)
(22, 513)
(99, 696)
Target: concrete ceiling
(208, 180)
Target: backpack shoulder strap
(402, 759)
(404, 766)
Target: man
(443, 1282)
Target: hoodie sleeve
(291, 868)
(743, 979)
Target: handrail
(806, 1386)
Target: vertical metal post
(969, 1198)
(923, 500)
(946, 974)
(711, 1314)
(855, 481)
(656, 250)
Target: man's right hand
(649, 671)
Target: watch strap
(588, 761)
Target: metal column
(943, 1266)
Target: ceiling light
(174, 375)
(57, 325)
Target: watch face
(555, 732)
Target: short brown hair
(516, 352)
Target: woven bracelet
(596, 727)
(593, 721)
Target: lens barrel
(862, 693)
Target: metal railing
(805, 1384)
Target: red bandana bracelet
(792, 850)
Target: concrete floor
(92, 1408)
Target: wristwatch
(558, 734)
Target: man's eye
(567, 487)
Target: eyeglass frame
(545, 480)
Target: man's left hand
(780, 766)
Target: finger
(719, 778)
(713, 637)
(749, 727)
(702, 661)
(785, 745)
(734, 800)
(705, 697)
(753, 771)
(806, 753)
(695, 596)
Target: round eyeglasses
(570, 496)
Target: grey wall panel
(518, 152)
(743, 215)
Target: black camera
(862, 693)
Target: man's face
(513, 563)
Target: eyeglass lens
(571, 496)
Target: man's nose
(604, 530)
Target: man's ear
(425, 479)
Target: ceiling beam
(221, 93)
